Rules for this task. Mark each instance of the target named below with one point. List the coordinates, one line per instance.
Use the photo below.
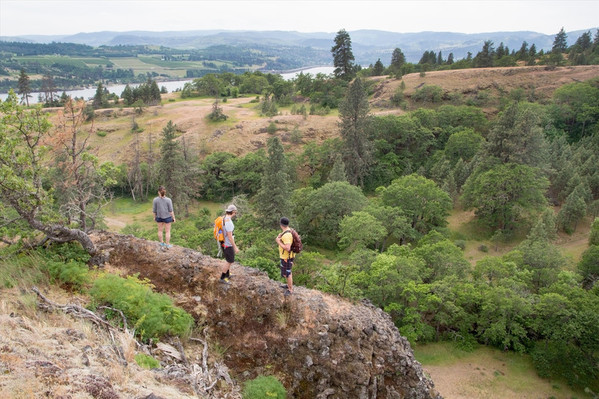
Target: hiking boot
(287, 292)
(225, 280)
(285, 286)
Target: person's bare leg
(290, 282)
(167, 229)
(160, 227)
(226, 266)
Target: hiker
(229, 247)
(284, 240)
(164, 215)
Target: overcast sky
(55, 17)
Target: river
(171, 86)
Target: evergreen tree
(440, 58)
(522, 54)
(217, 113)
(343, 58)
(560, 44)
(154, 93)
(594, 234)
(378, 68)
(397, 60)
(24, 89)
(354, 126)
(337, 172)
(518, 137)
(450, 59)
(100, 99)
(532, 53)
(574, 210)
(272, 200)
(171, 167)
(485, 57)
(127, 95)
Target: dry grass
(53, 355)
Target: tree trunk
(60, 233)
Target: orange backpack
(219, 229)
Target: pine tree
(522, 54)
(272, 200)
(560, 43)
(484, 58)
(337, 172)
(343, 58)
(450, 59)
(354, 126)
(154, 93)
(171, 167)
(24, 89)
(572, 212)
(397, 60)
(127, 95)
(378, 68)
(100, 97)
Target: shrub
(101, 133)
(65, 252)
(272, 128)
(72, 274)
(483, 248)
(428, 93)
(152, 315)
(264, 387)
(296, 135)
(460, 244)
(146, 361)
(265, 265)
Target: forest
(371, 205)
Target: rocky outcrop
(318, 345)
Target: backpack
(296, 245)
(219, 229)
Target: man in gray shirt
(229, 246)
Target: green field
(487, 373)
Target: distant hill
(367, 45)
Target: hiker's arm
(286, 247)
(172, 210)
(232, 241)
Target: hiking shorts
(229, 254)
(285, 266)
(164, 220)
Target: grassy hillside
(245, 130)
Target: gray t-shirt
(228, 227)
(162, 207)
